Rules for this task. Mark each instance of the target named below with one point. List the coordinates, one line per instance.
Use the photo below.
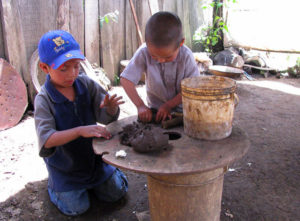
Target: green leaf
(226, 28)
(106, 19)
(214, 41)
(219, 4)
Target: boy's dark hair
(164, 29)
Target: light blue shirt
(162, 79)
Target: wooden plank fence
(24, 22)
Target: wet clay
(143, 137)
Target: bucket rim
(206, 90)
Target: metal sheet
(13, 96)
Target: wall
(24, 22)
(268, 25)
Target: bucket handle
(236, 99)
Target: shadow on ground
(33, 203)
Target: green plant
(109, 16)
(116, 80)
(298, 61)
(210, 35)
(295, 70)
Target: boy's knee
(71, 203)
(120, 186)
(114, 188)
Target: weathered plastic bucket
(208, 106)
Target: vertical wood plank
(92, 34)
(153, 5)
(137, 22)
(160, 5)
(130, 32)
(143, 14)
(38, 17)
(112, 37)
(77, 21)
(186, 23)
(188, 11)
(13, 37)
(169, 5)
(195, 13)
(2, 51)
(63, 15)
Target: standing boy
(66, 111)
(166, 61)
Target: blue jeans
(76, 202)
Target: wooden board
(35, 18)
(143, 14)
(2, 51)
(91, 34)
(13, 96)
(77, 22)
(183, 156)
(112, 45)
(225, 71)
(24, 22)
(14, 40)
(153, 5)
(63, 15)
(130, 32)
(189, 14)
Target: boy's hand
(94, 131)
(163, 113)
(112, 104)
(144, 114)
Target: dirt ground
(263, 186)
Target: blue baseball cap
(57, 47)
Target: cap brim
(74, 54)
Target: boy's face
(165, 54)
(65, 75)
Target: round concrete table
(185, 181)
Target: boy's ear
(45, 68)
(182, 42)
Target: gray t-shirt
(162, 79)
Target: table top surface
(185, 155)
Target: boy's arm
(144, 113)
(131, 91)
(98, 95)
(62, 137)
(175, 101)
(59, 138)
(164, 110)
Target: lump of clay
(143, 137)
